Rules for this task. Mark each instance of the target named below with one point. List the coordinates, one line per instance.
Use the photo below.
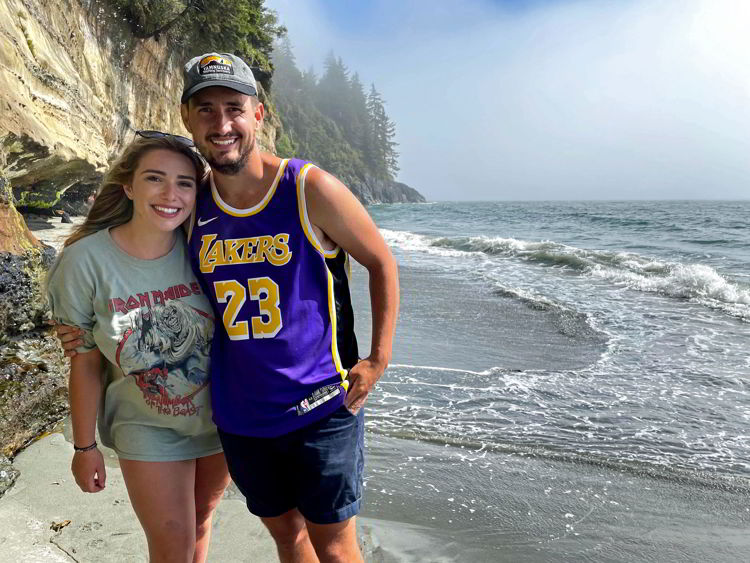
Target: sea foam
(698, 283)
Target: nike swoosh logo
(201, 222)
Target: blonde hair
(111, 206)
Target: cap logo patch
(215, 65)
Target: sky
(549, 99)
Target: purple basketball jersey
(281, 359)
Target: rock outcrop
(377, 190)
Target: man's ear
(259, 113)
(184, 115)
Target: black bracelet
(87, 448)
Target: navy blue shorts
(317, 469)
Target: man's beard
(232, 168)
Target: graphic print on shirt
(174, 340)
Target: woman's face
(163, 190)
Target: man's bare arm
(70, 337)
(334, 211)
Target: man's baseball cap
(217, 69)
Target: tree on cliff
(243, 27)
(331, 120)
(382, 155)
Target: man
(270, 242)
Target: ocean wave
(698, 283)
(695, 282)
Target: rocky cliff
(74, 86)
(377, 190)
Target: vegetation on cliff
(244, 27)
(332, 121)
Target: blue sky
(550, 99)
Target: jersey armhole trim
(305, 220)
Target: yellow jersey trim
(233, 211)
(303, 217)
(334, 340)
(310, 234)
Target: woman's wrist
(85, 448)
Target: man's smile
(223, 141)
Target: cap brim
(241, 88)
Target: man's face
(224, 123)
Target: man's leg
(264, 470)
(291, 537)
(336, 543)
(331, 485)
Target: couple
(262, 244)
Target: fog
(642, 99)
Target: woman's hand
(88, 470)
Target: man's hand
(71, 337)
(88, 470)
(362, 378)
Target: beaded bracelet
(87, 448)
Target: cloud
(561, 100)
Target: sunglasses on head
(152, 134)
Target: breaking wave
(695, 282)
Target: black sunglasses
(152, 134)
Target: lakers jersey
(281, 360)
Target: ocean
(570, 382)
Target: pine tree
(360, 132)
(331, 120)
(333, 87)
(382, 156)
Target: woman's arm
(84, 388)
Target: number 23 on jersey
(266, 292)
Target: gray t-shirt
(153, 325)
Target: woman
(123, 277)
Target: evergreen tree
(382, 155)
(360, 131)
(331, 120)
(333, 88)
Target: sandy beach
(46, 518)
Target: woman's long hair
(111, 206)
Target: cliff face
(74, 85)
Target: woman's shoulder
(83, 253)
(87, 246)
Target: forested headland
(333, 119)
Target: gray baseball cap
(217, 69)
